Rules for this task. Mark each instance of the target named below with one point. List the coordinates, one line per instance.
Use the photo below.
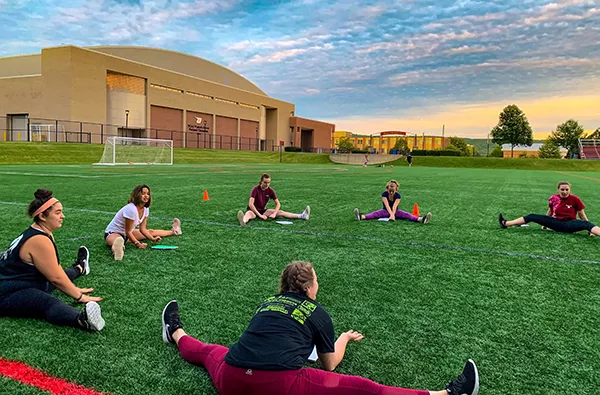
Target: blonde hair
(390, 182)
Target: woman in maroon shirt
(563, 210)
(257, 204)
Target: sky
(367, 66)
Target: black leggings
(564, 226)
(39, 303)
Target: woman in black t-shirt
(30, 270)
(270, 355)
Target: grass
(427, 297)
(69, 153)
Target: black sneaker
(467, 383)
(427, 218)
(91, 318)
(502, 221)
(170, 321)
(83, 260)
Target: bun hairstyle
(265, 175)
(41, 197)
(296, 277)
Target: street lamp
(126, 119)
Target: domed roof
(181, 63)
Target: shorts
(260, 211)
(106, 234)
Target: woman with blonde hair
(391, 200)
(270, 355)
(135, 214)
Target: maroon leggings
(230, 380)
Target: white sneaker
(306, 213)
(176, 227)
(119, 248)
(92, 317)
(357, 214)
(240, 217)
(427, 218)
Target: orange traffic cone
(416, 210)
(205, 197)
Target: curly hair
(136, 195)
(296, 277)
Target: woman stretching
(259, 197)
(563, 210)
(123, 226)
(391, 201)
(270, 355)
(30, 270)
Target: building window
(166, 88)
(249, 106)
(117, 82)
(199, 95)
(225, 100)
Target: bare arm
(277, 207)
(144, 230)
(386, 204)
(549, 213)
(40, 251)
(396, 204)
(254, 210)
(331, 360)
(130, 236)
(582, 215)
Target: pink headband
(45, 207)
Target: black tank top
(12, 266)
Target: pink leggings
(230, 380)
(399, 215)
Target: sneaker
(170, 321)
(306, 213)
(357, 214)
(176, 227)
(240, 217)
(427, 218)
(83, 260)
(467, 383)
(502, 221)
(119, 248)
(91, 317)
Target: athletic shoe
(306, 213)
(357, 214)
(176, 227)
(427, 218)
(91, 317)
(467, 383)
(119, 248)
(502, 221)
(240, 217)
(83, 260)
(170, 321)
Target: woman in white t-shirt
(124, 225)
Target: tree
(549, 150)
(345, 145)
(594, 135)
(497, 152)
(461, 145)
(401, 147)
(512, 128)
(567, 135)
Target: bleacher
(589, 148)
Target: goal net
(136, 151)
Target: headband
(45, 207)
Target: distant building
(530, 151)
(383, 142)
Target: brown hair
(296, 277)
(392, 182)
(563, 183)
(136, 195)
(265, 175)
(41, 197)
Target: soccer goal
(136, 151)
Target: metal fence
(16, 128)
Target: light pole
(126, 119)
(488, 145)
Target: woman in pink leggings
(391, 200)
(269, 357)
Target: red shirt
(565, 208)
(261, 197)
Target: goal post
(136, 151)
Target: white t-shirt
(117, 225)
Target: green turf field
(523, 303)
